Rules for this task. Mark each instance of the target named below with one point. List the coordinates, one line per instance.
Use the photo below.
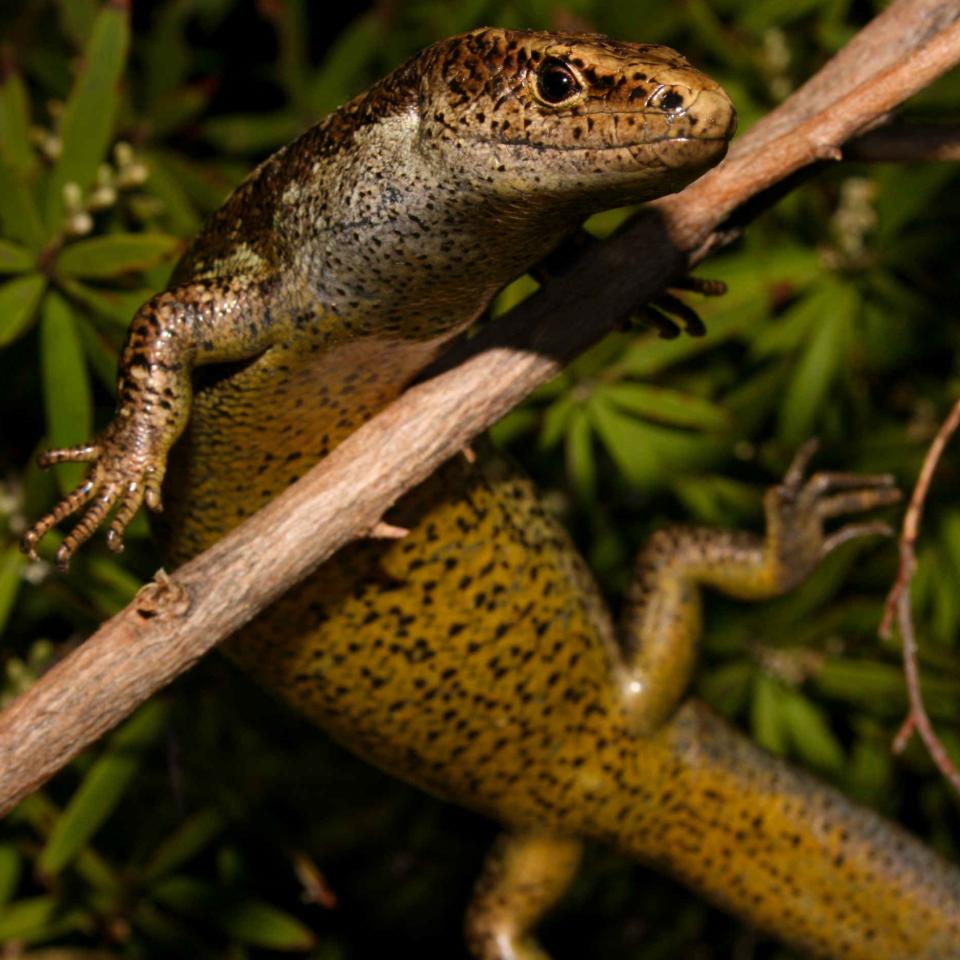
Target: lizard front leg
(207, 321)
(662, 620)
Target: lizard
(474, 656)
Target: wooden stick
(898, 607)
(176, 620)
(907, 143)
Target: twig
(174, 623)
(898, 606)
(907, 143)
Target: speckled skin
(474, 656)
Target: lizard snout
(705, 114)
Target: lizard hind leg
(524, 876)
(661, 625)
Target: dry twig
(907, 143)
(898, 606)
(172, 625)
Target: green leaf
(250, 921)
(263, 925)
(581, 465)
(628, 441)
(89, 113)
(15, 122)
(18, 211)
(514, 293)
(102, 788)
(667, 406)
(809, 732)
(865, 682)
(556, 419)
(11, 564)
(11, 867)
(824, 357)
(114, 254)
(186, 894)
(195, 833)
(647, 454)
(23, 917)
(101, 353)
(793, 327)
(36, 919)
(14, 259)
(43, 814)
(766, 715)
(18, 302)
(117, 306)
(66, 385)
(715, 499)
(870, 770)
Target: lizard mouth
(668, 150)
(680, 152)
(631, 145)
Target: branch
(176, 620)
(907, 143)
(898, 607)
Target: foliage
(116, 138)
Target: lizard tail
(787, 853)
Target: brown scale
(474, 657)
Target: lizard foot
(117, 479)
(670, 316)
(798, 508)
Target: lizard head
(577, 120)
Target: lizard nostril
(671, 102)
(671, 98)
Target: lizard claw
(670, 316)
(70, 504)
(854, 531)
(793, 478)
(798, 508)
(115, 480)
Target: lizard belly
(472, 657)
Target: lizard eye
(556, 82)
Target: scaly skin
(474, 657)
